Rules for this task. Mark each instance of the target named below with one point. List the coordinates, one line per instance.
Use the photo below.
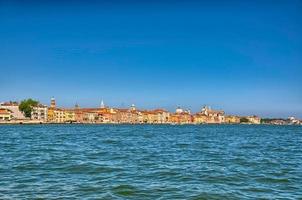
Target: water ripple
(150, 162)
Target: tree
(26, 106)
(244, 120)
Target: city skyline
(244, 59)
(122, 106)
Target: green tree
(244, 120)
(26, 106)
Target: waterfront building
(213, 116)
(107, 115)
(122, 115)
(54, 114)
(254, 119)
(40, 112)
(149, 117)
(179, 110)
(86, 115)
(130, 115)
(5, 114)
(90, 116)
(79, 117)
(50, 115)
(14, 108)
(231, 119)
(135, 116)
(78, 114)
(157, 116)
(199, 118)
(180, 118)
(162, 116)
(278, 122)
(69, 115)
(293, 120)
(59, 115)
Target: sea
(141, 162)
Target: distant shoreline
(138, 124)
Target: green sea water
(150, 162)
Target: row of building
(53, 114)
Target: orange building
(207, 115)
(107, 115)
(86, 115)
(200, 118)
(180, 118)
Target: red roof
(4, 111)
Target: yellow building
(231, 119)
(55, 115)
(200, 118)
(51, 115)
(69, 115)
(59, 115)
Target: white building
(14, 108)
(179, 110)
(40, 113)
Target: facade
(40, 113)
(128, 116)
(69, 115)
(78, 114)
(86, 115)
(151, 117)
(254, 119)
(90, 117)
(5, 114)
(107, 115)
(50, 115)
(231, 119)
(55, 115)
(14, 108)
(180, 117)
(162, 116)
(207, 115)
(199, 118)
(59, 115)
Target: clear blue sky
(243, 57)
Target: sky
(244, 57)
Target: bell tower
(102, 104)
(133, 108)
(52, 102)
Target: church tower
(102, 104)
(52, 103)
(132, 108)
